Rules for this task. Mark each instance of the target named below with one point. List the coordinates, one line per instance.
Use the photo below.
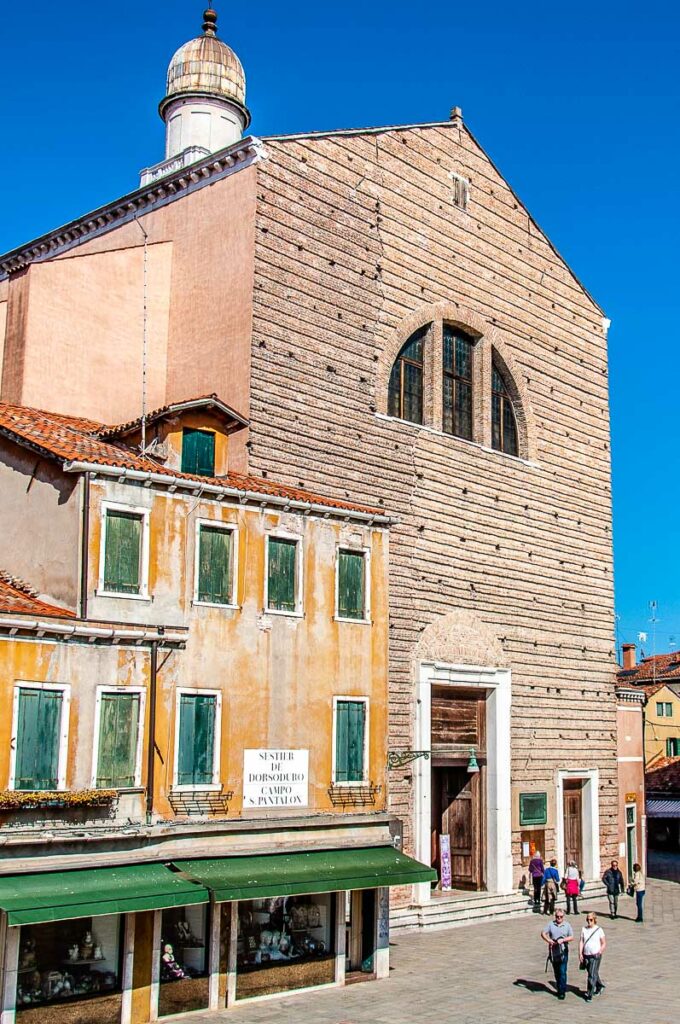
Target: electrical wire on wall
(145, 282)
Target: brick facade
(495, 560)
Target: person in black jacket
(614, 884)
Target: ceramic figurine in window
(169, 966)
(98, 953)
(73, 951)
(86, 946)
(27, 955)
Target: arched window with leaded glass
(503, 421)
(457, 356)
(405, 397)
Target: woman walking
(536, 869)
(571, 884)
(551, 884)
(590, 948)
(638, 884)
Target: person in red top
(572, 885)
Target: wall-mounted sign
(533, 808)
(631, 798)
(275, 778)
(445, 862)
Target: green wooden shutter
(197, 714)
(198, 452)
(118, 734)
(38, 735)
(123, 553)
(214, 565)
(349, 741)
(281, 574)
(351, 585)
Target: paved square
(494, 973)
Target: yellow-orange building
(658, 677)
(193, 789)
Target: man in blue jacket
(551, 886)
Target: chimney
(628, 655)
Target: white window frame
(231, 528)
(141, 690)
(662, 709)
(215, 785)
(144, 514)
(357, 700)
(366, 554)
(299, 574)
(62, 757)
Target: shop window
(673, 746)
(198, 452)
(197, 743)
(70, 971)
(283, 585)
(38, 738)
(503, 422)
(405, 393)
(352, 584)
(184, 960)
(215, 570)
(123, 551)
(117, 750)
(285, 943)
(457, 382)
(533, 808)
(664, 709)
(350, 740)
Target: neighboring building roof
(211, 403)
(78, 442)
(17, 598)
(664, 777)
(650, 689)
(653, 670)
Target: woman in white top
(638, 884)
(591, 947)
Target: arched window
(457, 382)
(405, 398)
(503, 422)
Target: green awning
(58, 895)
(293, 874)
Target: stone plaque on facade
(275, 778)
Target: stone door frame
(590, 818)
(496, 684)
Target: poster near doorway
(573, 821)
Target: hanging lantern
(472, 765)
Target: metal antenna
(653, 619)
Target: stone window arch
(450, 370)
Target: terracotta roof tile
(74, 439)
(664, 777)
(652, 669)
(172, 407)
(18, 598)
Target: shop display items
(74, 976)
(172, 969)
(282, 929)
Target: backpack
(558, 952)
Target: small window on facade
(118, 736)
(405, 397)
(38, 738)
(215, 565)
(457, 367)
(351, 584)
(196, 739)
(664, 709)
(673, 747)
(461, 190)
(350, 740)
(123, 552)
(282, 582)
(503, 423)
(198, 452)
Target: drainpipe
(84, 546)
(153, 676)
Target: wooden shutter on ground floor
(122, 555)
(197, 717)
(214, 565)
(351, 584)
(38, 739)
(350, 727)
(118, 735)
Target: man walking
(614, 884)
(558, 935)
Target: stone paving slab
(493, 973)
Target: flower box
(22, 800)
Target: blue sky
(578, 105)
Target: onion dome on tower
(204, 107)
